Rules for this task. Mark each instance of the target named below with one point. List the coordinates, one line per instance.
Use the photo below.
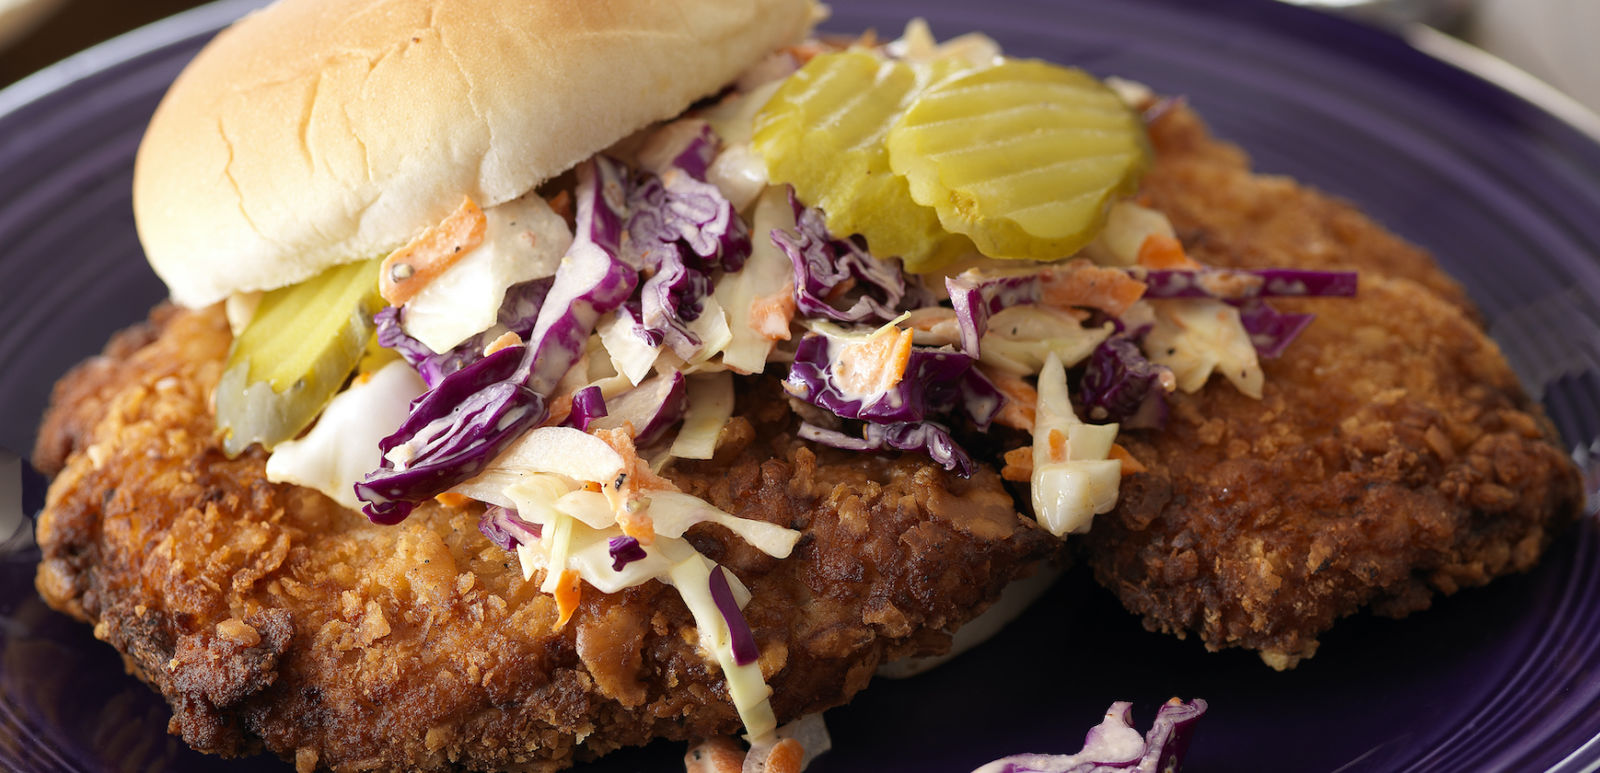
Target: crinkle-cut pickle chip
(1024, 157)
(297, 351)
(823, 133)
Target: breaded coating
(1226, 215)
(1392, 456)
(268, 616)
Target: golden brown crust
(1226, 215)
(267, 614)
(79, 398)
(1392, 456)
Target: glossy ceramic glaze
(1508, 198)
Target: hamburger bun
(319, 132)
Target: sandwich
(541, 379)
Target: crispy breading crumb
(1392, 456)
(419, 646)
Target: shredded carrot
(770, 315)
(631, 485)
(1081, 283)
(876, 364)
(1019, 465)
(1058, 445)
(1022, 400)
(786, 757)
(636, 475)
(506, 339)
(637, 525)
(453, 500)
(714, 755)
(560, 408)
(900, 356)
(1163, 251)
(1130, 465)
(409, 269)
(569, 590)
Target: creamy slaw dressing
(524, 240)
(572, 484)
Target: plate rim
(1467, 61)
(109, 54)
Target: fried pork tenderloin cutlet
(1392, 456)
(270, 617)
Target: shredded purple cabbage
(506, 529)
(391, 335)
(676, 214)
(1270, 330)
(698, 153)
(588, 404)
(980, 399)
(1120, 385)
(928, 437)
(744, 642)
(828, 271)
(624, 551)
(630, 315)
(1239, 284)
(602, 203)
(453, 432)
(935, 382)
(975, 300)
(972, 312)
(1114, 746)
(458, 427)
(839, 280)
(680, 230)
(672, 299)
(652, 408)
(518, 312)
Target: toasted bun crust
(319, 132)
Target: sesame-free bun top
(319, 132)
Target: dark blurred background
(49, 31)
(1552, 39)
(36, 33)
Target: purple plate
(1507, 196)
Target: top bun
(319, 132)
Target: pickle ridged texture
(823, 132)
(300, 346)
(1024, 157)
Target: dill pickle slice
(1024, 157)
(297, 351)
(823, 131)
(374, 356)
